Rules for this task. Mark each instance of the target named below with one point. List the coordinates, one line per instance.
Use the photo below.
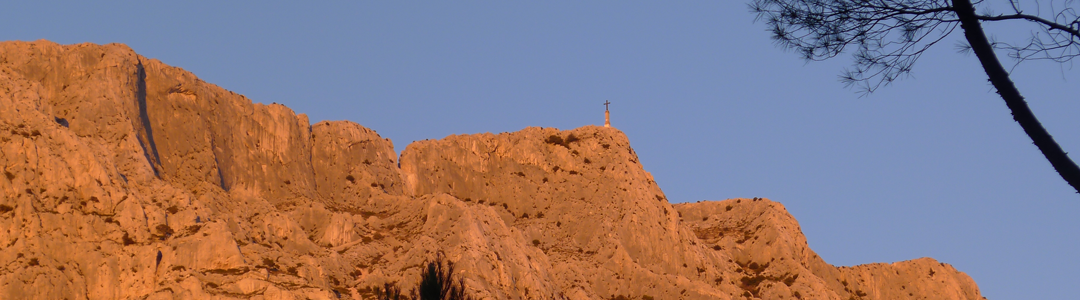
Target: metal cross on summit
(607, 114)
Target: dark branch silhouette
(436, 283)
(889, 36)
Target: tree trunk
(1007, 90)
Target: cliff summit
(127, 178)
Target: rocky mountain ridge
(128, 178)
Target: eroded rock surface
(127, 178)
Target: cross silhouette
(606, 104)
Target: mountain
(127, 178)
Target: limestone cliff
(127, 178)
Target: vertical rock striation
(127, 178)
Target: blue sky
(932, 165)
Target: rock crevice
(157, 185)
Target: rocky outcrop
(772, 259)
(127, 178)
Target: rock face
(127, 178)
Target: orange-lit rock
(110, 159)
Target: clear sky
(931, 166)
